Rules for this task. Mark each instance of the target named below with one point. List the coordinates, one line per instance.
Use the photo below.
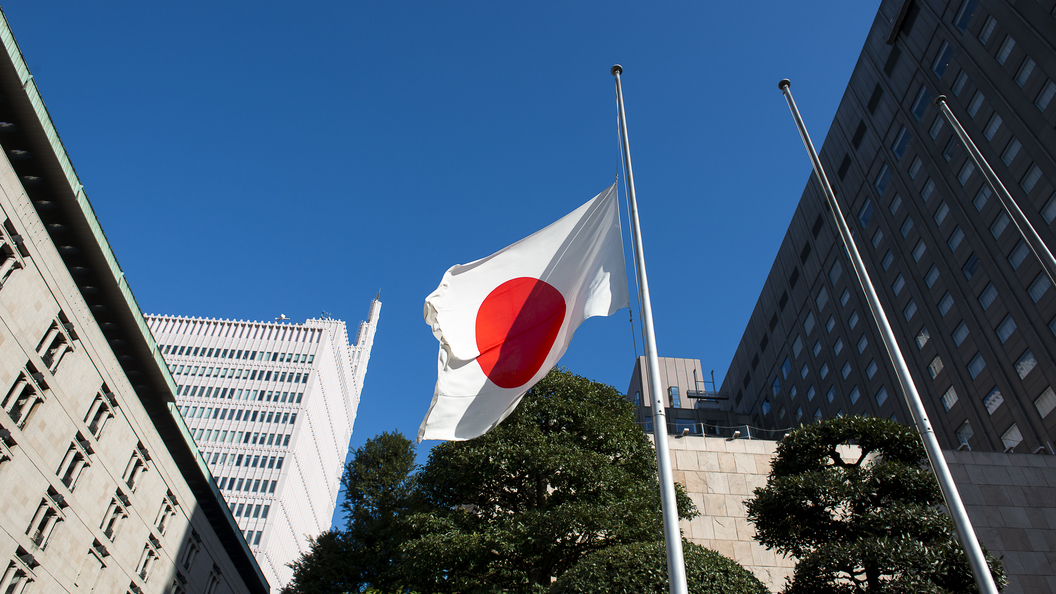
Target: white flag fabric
(504, 321)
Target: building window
(941, 212)
(931, 276)
(910, 310)
(976, 365)
(672, 391)
(853, 320)
(882, 179)
(900, 144)
(56, 343)
(766, 407)
(846, 369)
(960, 333)
(1005, 50)
(942, 60)
(835, 271)
(831, 394)
(830, 324)
(991, 128)
(135, 468)
(913, 169)
(966, 172)
(975, 104)
(1046, 95)
(1026, 364)
(74, 463)
(993, 400)
(958, 85)
(888, 259)
(817, 415)
(1025, 71)
(871, 369)
(949, 398)
(898, 284)
(1046, 402)
(987, 296)
(980, 199)
(808, 324)
(836, 348)
(935, 366)
(945, 303)
(1006, 328)
(1011, 150)
(1019, 253)
(822, 299)
(43, 524)
(964, 432)
(1038, 288)
(1012, 437)
(799, 414)
(878, 237)
(824, 370)
(920, 104)
(24, 396)
(881, 396)
(863, 342)
(971, 266)
(810, 394)
(114, 517)
(936, 127)
(786, 367)
(854, 395)
(988, 30)
(817, 348)
(1049, 210)
(797, 346)
(907, 226)
(1030, 178)
(951, 150)
(999, 225)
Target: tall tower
(971, 308)
(271, 406)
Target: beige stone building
(1010, 498)
(101, 486)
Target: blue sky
(251, 159)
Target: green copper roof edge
(30, 87)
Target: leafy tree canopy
(867, 522)
(641, 568)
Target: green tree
(380, 491)
(568, 473)
(870, 522)
(641, 568)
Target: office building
(101, 486)
(689, 406)
(271, 406)
(971, 308)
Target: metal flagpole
(965, 532)
(676, 567)
(1022, 223)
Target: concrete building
(101, 486)
(689, 406)
(1010, 498)
(971, 309)
(271, 406)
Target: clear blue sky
(248, 159)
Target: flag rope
(627, 209)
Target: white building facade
(271, 407)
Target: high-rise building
(971, 307)
(101, 487)
(271, 406)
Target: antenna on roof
(281, 318)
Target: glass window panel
(940, 214)
(810, 393)
(966, 172)
(949, 398)
(945, 303)
(822, 299)
(935, 366)
(932, 276)
(1019, 253)
(786, 367)
(817, 348)
(980, 199)
(836, 348)
(1005, 329)
(854, 395)
(824, 370)
(953, 146)
(797, 346)
(936, 127)
(1025, 71)
(830, 324)
(834, 272)
(1026, 364)
(881, 396)
(845, 297)
(1012, 437)
(955, 238)
(1046, 402)
(942, 60)
(976, 103)
(808, 324)
(1038, 288)
(960, 333)
(910, 310)
(1031, 178)
(971, 266)
(1000, 223)
(929, 187)
(918, 250)
(882, 179)
(992, 127)
(1011, 150)
(922, 337)
(1005, 50)
(1046, 95)
(913, 170)
(993, 400)
(901, 142)
(920, 104)
(877, 237)
(831, 394)
(965, 14)
(853, 321)
(1049, 210)
(870, 370)
(895, 203)
(862, 343)
(907, 226)
(987, 296)
(958, 85)
(964, 432)
(976, 365)
(898, 284)
(804, 371)
(888, 258)
(988, 30)
(866, 212)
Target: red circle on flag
(516, 327)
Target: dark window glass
(901, 142)
(920, 104)
(964, 16)
(971, 266)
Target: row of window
(250, 485)
(247, 355)
(240, 437)
(250, 374)
(195, 412)
(240, 394)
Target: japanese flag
(504, 321)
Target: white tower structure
(271, 406)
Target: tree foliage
(641, 568)
(568, 473)
(870, 523)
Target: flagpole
(965, 532)
(676, 568)
(1026, 230)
